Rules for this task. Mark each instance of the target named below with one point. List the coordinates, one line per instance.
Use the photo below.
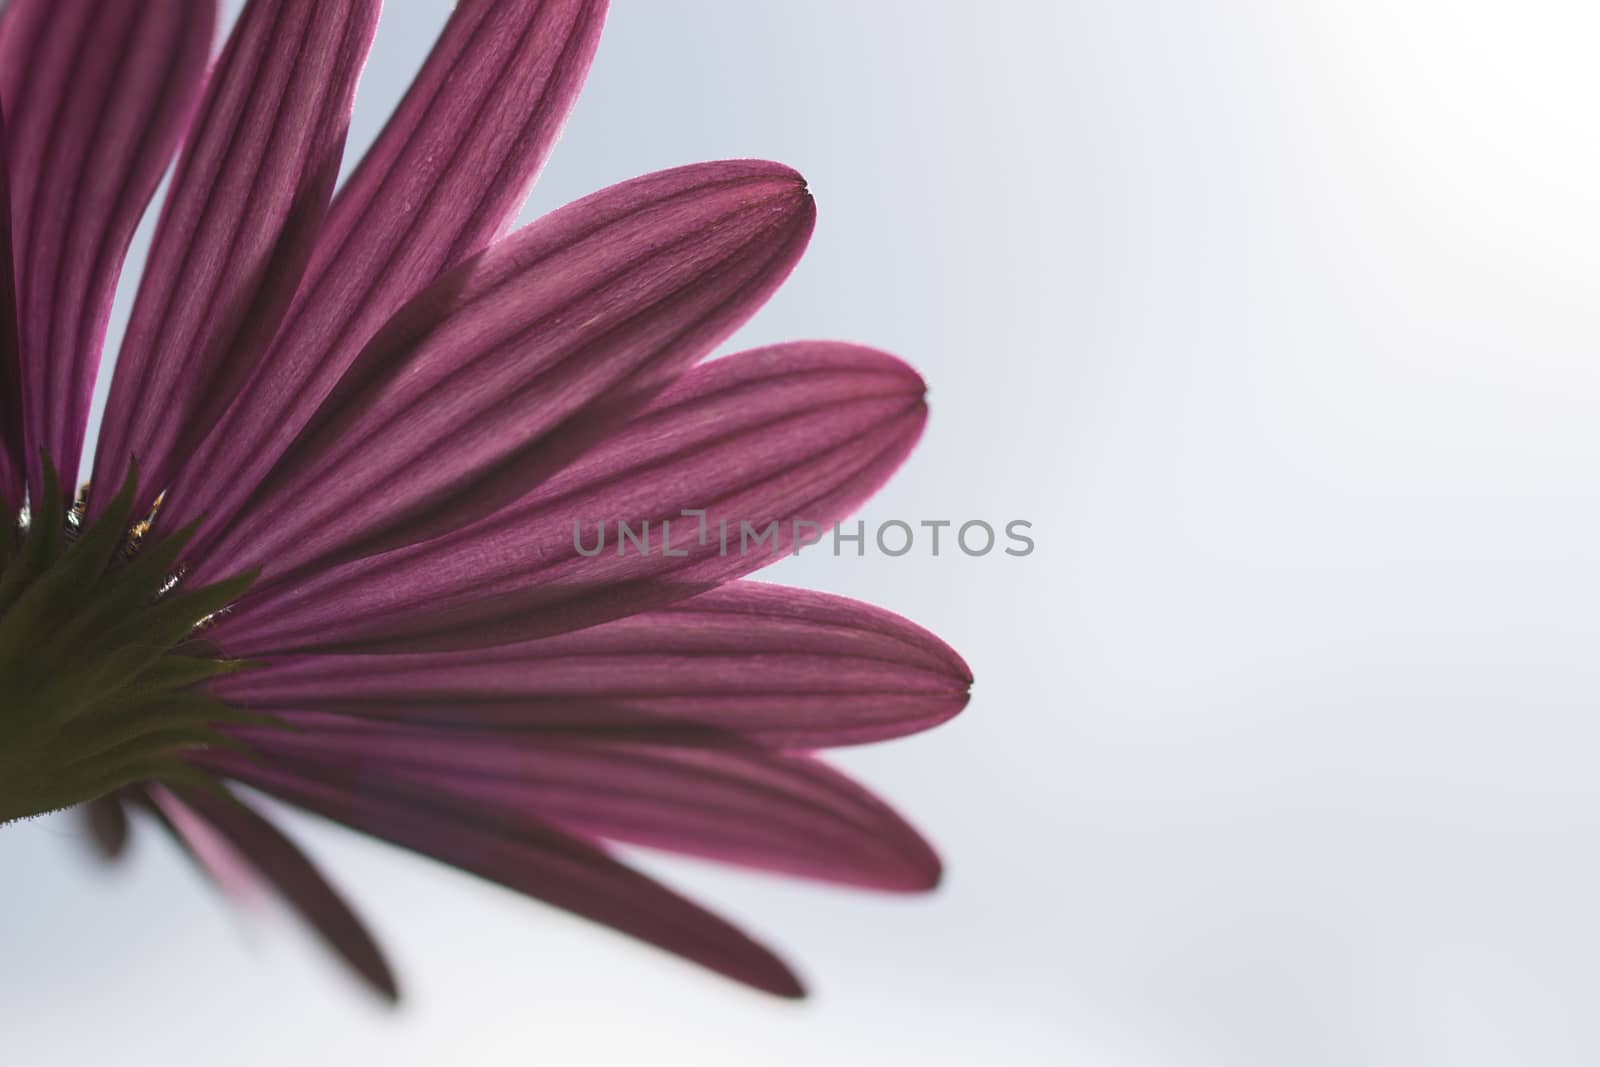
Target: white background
(1277, 320)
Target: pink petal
(785, 668)
(752, 807)
(247, 199)
(96, 95)
(211, 825)
(518, 851)
(212, 851)
(800, 431)
(445, 178)
(620, 289)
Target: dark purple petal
(222, 830)
(763, 664)
(802, 431)
(512, 848)
(96, 95)
(445, 178)
(599, 299)
(246, 201)
(752, 807)
(107, 822)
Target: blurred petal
(96, 95)
(225, 831)
(620, 289)
(510, 847)
(764, 664)
(211, 851)
(107, 822)
(246, 201)
(447, 175)
(747, 806)
(802, 431)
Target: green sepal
(58, 595)
(173, 671)
(124, 724)
(165, 770)
(103, 683)
(176, 615)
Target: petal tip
(783, 184)
(784, 983)
(387, 990)
(924, 871)
(961, 671)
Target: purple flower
(353, 434)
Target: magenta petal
(446, 176)
(802, 431)
(621, 289)
(96, 95)
(512, 848)
(224, 830)
(764, 664)
(246, 202)
(753, 807)
(13, 466)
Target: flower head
(328, 548)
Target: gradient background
(1278, 321)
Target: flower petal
(246, 202)
(107, 822)
(510, 847)
(797, 432)
(621, 289)
(752, 807)
(216, 857)
(763, 664)
(13, 466)
(96, 95)
(445, 178)
(209, 825)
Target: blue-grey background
(1278, 321)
